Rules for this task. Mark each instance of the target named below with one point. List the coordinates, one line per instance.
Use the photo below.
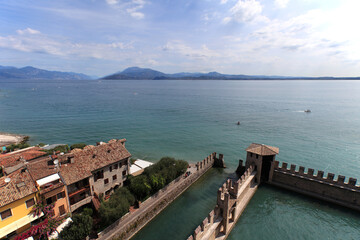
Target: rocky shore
(8, 139)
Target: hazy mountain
(36, 73)
(136, 73)
(150, 74)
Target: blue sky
(99, 37)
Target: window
(60, 195)
(29, 203)
(106, 181)
(110, 168)
(61, 210)
(115, 166)
(51, 200)
(5, 214)
(250, 154)
(124, 174)
(257, 156)
(98, 175)
(114, 177)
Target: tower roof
(262, 150)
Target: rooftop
(262, 150)
(91, 158)
(14, 158)
(39, 168)
(138, 166)
(21, 185)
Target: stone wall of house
(338, 191)
(108, 183)
(130, 224)
(232, 199)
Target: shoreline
(7, 139)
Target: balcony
(80, 203)
(79, 198)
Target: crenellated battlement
(233, 187)
(319, 176)
(261, 167)
(232, 198)
(207, 162)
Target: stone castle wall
(130, 224)
(232, 198)
(300, 180)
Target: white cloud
(223, 1)
(35, 42)
(27, 30)
(245, 11)
(112, 2)
(132, 7)
(281, 3)
(200, 53)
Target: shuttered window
(62, 210)
(5, 214)
(30, 203)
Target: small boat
(307, 111)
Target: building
(94, 172)
(262, 156)
(51, 188)
(11, 161)
(17, 198)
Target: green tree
(117, 206)
(79, 228)
(140, 186)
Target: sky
(255, 37)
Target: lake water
(189, 120)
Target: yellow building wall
(18, 210)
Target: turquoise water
(189, 120)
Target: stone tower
(263, 157)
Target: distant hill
(36, 73)
(136, 73)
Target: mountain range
(136, 73)
(36, 73)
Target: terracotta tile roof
(90, 159)
(21, 185)
(262, 150)
(39, 168)
(12, 159)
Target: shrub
(13, 147)
(78, 145)
(79, 228)
(88, 211)
(156, 177)
(140, 186)
(117, 206)
(62, 148)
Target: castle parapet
(330, 178)
(329, 188)
(232, 198)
